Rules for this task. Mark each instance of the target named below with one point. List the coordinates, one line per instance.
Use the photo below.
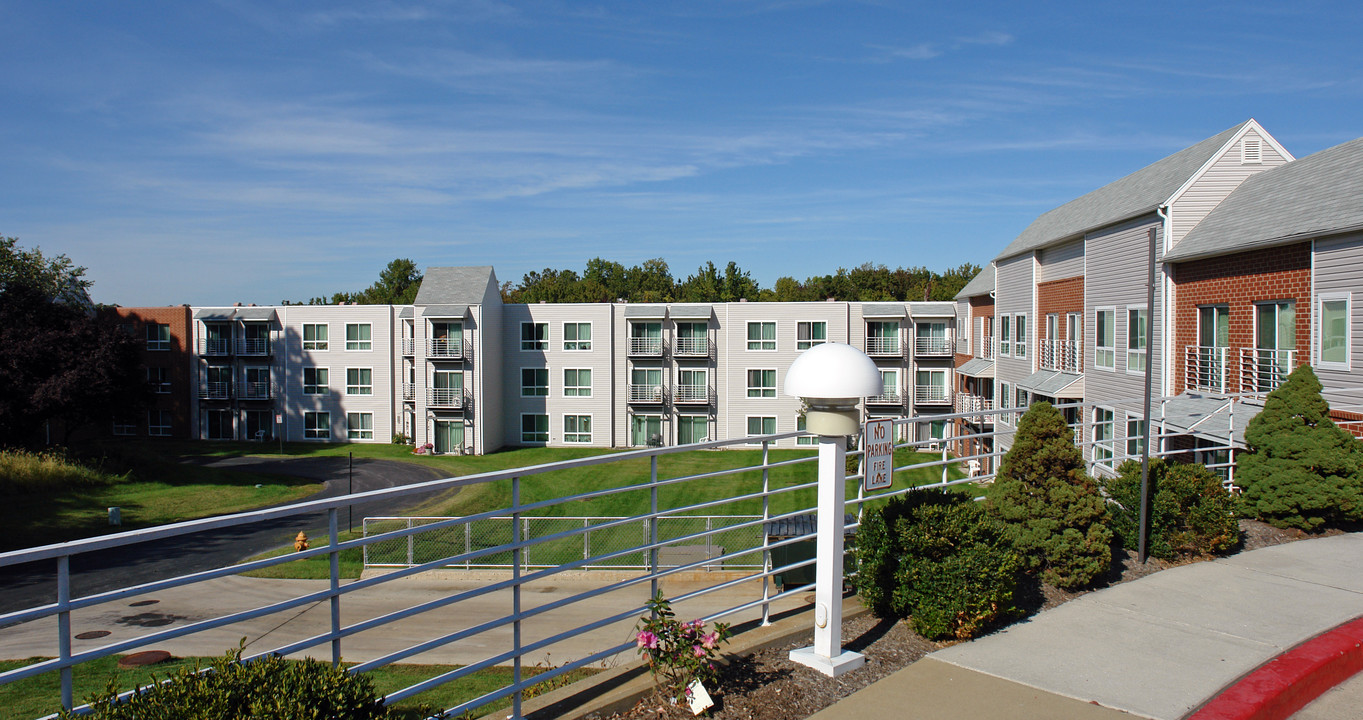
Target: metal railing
(646, 346)
(256, 391)
(691, 347)
(409, 391)
(691, 394)
(408, 346)
(932, 345)
(253, 346)
(645, 393)
(930, 394)
(445, 397)
(215, 391)
(968, 403)
(215, 346)
(882, 346)
(446, 348)
(987, 348)
(1262, 371)
(886, 398)
(1205, 368)
(1062, 355)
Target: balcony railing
(646, 346)
(965, 402)
(987, 348)
(215, 391)
(409, 391)
(445, 397)
(409, 346)
(932, 345)
(692, 347)
(439, 348)
(882, 346)
(645, 393)
(1264, 370)
(1205, 368)
(696, 394)
(253, 346)
(931, 395)
(886, 398)
(215, 346)
(256, 391)
(1062, 355)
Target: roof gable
(981, 284)
(457, 286)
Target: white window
(1023, 398)
(359, 426)
(359, 381)
(761, 336)
(577, 382)
(1137, 339)
(125, 426)
(577, 336)
(158, 423)
(1332, 350)
(807, 439)
(693, 338)
(534, 336)
(577, 428)
(693, 386)
(1006, 335)
(1020, 339)
(314, 336)
(158, 336)
(646, 431)
(315, 381)
(692, 429)
(534, 382)
(317, 425)
(930, 386)
(889, 385)
(761, 383)
(535, 428)
(809, 334)
(1105, 338)
(1135, 437)
(159, 380)
(1102, 437)
(882, 337)
(764, 425)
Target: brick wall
(981, 306)
(1354, 421)
(1239, 281)
(1059, 297)
(176, 360)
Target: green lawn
(39, 696)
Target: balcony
(215, 391)
(215, 346)
(408, 346)
(931, 395)
(649, 394)
(987, 348)
(692, 347)
(967, 403)
(452, 398)
(253, 346)
(1062, 355)
(688, 394)
(646, 347)
(256, 391)
(932, 345)
(445, 349)
(892, 397)
(1205, 368)
(1262, 371)
(409, 392)
(883, 346)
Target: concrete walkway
(1158, 647)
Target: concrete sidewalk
(1158, 647)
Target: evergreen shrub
(1301, 471)
(1191, 514)
(1053, 511)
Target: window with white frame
(761, 425)
(889, 385)
(1006, 335)
(805, 439)
(1023, 398)
(1020, 337)
(1135, 437)
(534, 428)
(1102, 437)
(646, 430)
(1333, 349)
(315, 381)
(358, 336)
(158, 336)
(159, 380)
(577, 382)
(359, 426)
(1006, 399)
(577, 428)
(317, 425)
(1105, 338)
(159, 423)
(761, 383)
(930, 386)
(577, 336)
(761, 336)
(125, 426)
(882, 337)
(359, 381)
(809, 334)
(534, 336)
(315, 336)
(692, 429)
(534, 382)
(1137, 339)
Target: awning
(1210, 417)
(222, 314)
(932, 309)
(255, 314)
(445, 311)
(977, 367)
(1052, 383)
(883, 310)
(652, 312)
(688, 312)
(406, 313)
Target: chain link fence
(728, 548)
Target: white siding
(1118, 263)
(1224, 174)
(1337, 267)
(1060, 262)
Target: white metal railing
(690, 393)
(1062, 355)
(445, 348)
(645, 393)
(253, 346)
(256, 391)
(409, 391)
(215, 346)
(886, 398)
(987, 347)
(968, 403)
(408, 346)
(930, 394)
(691, 347)
(445, 397)
(882, 346)
(646, 346)
(1205, 368)
(932, 345)
(1262, 371)
(215, 390)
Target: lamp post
(831, 378)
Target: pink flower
(646, 639)
(710, 640)
(698, 650)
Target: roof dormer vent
(1251, 151)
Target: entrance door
(259, 425)
(1275, 339)
(218, 425)
(449, 436)
(1213, 339)
(646, 430)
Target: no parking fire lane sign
(878, 437)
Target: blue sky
(244, 151)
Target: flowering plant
(678, 653)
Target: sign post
(879, 451)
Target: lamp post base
(830, 666)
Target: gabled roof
(1132, 196)
(981, 284)
(456, 286)
(1320, 194)
(931, 309)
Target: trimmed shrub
(1053, 511)
(940, 560)
(1191, 514)
(268, 688)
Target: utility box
(799, 526)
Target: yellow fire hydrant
(300, 543)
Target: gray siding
(557, 405)
(1061, 261)
(1015, 293)
(1118, 263)
(1225, 173)
(1337, 267)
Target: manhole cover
(149, 619)
(146, 657)
(92, 634)
(143, 603)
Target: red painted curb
(1292, 680)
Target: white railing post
(516, 596)
(411, 545)
(64, 628)
(653, 523)
(334, 561)
(766, 549)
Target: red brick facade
(176, 360)
(981, 306)
(1238, 282)
(1058, 297)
